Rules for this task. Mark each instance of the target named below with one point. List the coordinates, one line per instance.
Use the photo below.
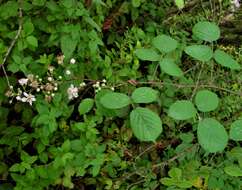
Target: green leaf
(212, 135)
(68, 45)
(146, 125)
(115, 100)
(32, 41)
(233, 170)
(28, 27)
(39, 2)
(15, 168)
(164, 43)
(235, 132)
(168, 181)
(182, 110)
(207, 31)
(136, 3)
(199, 52)
(168, 66)
(100, 108)
(144, 95)
(85, 106)
(147, 54)
(206, 100)
(180, 4)
(92, 23)
(175, 173)
(226, 60)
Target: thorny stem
(13, 42)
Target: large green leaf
(235, 132)
(226, 60)
(144, 95)
(168, 66)
(233, 170)
(85, 106)
(182, 110)
(164, 43)
(147, 54)
(115, 100)
(199, 52)
(212, 135)
(206, 31)
(100, 108)
(146, 125)
(206, 100)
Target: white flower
(50, 79)
(18, 98)
(82, 84)
(28, 98)
(55, 89)
(104, 80)
(60, 77)
(68, 72)
(112, 88)
(23, 81)
(236, 3)
(72, 61)
(72, 92)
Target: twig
(136, 183)
(174, 157)
(197, 83)
(146, 150)
(13, 42)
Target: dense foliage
(119, 94)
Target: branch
(13, 42)
(174, 157)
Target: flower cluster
(25, 97)
(101, 84)
(48, 85)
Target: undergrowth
(120, 95)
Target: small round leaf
(146, 125)
(147, 54)
(115, 100)
(164, 43)
(182, 110)
(206, 100)
(206, 31)
(136, 3)
(85, 106)
(144, 95)
(235, 132)
(226, 60)
(168, 66)
(211, 135)
(32, 41)
(199, 52)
